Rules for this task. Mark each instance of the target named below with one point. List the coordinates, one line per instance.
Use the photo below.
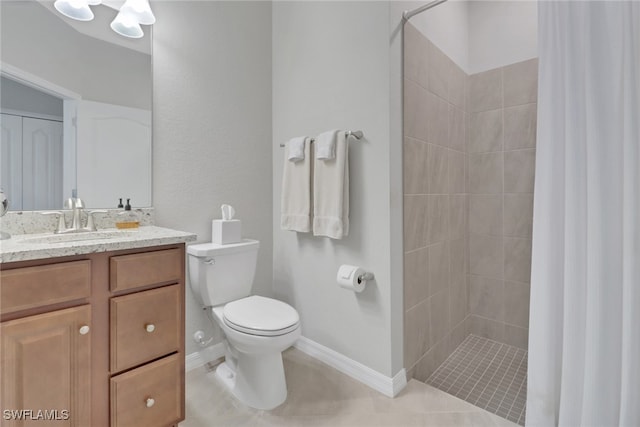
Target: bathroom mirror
(76, 109)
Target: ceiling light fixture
(76, 9)
(127, 25)
(140, 10)
(127, 21)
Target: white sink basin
(77, 237)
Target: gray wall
(502, 139)
(212, 125)
(339, 79)
(435, 203)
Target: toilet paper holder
(353, 278)
(365, 276)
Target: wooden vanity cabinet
(97, 339)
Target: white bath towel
(295, 201)
(326, 145)
(331, 192)
(295, 147)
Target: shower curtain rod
(407, 14)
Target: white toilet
(257, 329)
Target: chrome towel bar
(357, 134)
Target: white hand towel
(295, 201)
(326, 145)
(331, 192)
(295, 147)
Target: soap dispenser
(128, 218)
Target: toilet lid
(258, 315)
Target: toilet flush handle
(210, 261)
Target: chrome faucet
(77, 206)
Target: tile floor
(321, 396)
(487, 374)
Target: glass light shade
(126, 25)
(74, 9)
(139, 9)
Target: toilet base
(258, 381)
(226, 375)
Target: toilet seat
(256, 315)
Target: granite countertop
(25, 247)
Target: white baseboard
(356, 370)
(195, 360)
(192, 361)
(386, 385)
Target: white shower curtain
(584, 343)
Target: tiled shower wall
(435, 292)
(468, 182)
(502, 106)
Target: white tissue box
(224, 232)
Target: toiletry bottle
(120, 204)
(128, 218)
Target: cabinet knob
(150, 402)
(150, 327)
(84, 330)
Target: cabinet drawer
(149, 396)
(149, 268)
(30, 287)
(145, 326)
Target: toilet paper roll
(348, 278)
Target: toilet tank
(222, 273)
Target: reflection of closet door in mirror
(11, 160)
(113, 154)
(42, 164)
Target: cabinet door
(45, 363)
